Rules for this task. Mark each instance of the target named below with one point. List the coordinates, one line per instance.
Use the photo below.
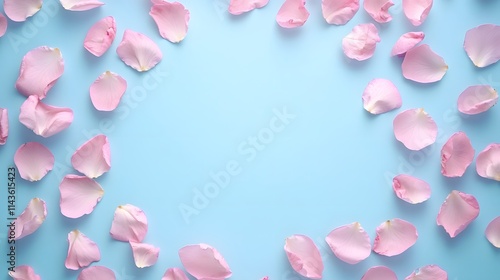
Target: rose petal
(378, 9)
(40, 69)
(145, 255)
(107, 91)
(43, 119)
(172, 20)
(81, 251)
(24, 272)
(79, 195)
(34, 161)
(138, 51)
(304, 256)
(204, 262)
(411, 189)
(4, 126)
(477, 99)
(428, 272)
(129, 224)
(3, 24)
(493, 232)
(481, 44)
(457, 212)
(394, 237)
(415, 129)
(350, 243)
(174, 274)
(422, 65)
(80, 5)
(96, 273)
(406, 42)
(20, 10)
(292, 14)
(381, 96)
(360, 44)
(456, 155)
(488, 162)
(238, 7)
(31, 218)
(339, 12)
(93, 158)
(417, 10)
(100, 36)
(379, 273)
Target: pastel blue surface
(329, 164)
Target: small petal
(43, 119)
(350, 243)
(493, 232)
(457, 212)
(406, 42)
(80, 5)
(360, 44)
(145, 255)
(79, 195)
(481, 44)
(31, 218)
(20, 10)
(415, 129)
(107, 91)
(456, 155)
(174, 274)
(488, 162)
(339, 12)
(428, 272)
(4, 126)
(422, 65)
(379, 273)
(138, 51)
(129, 224)
(100, 36)
(304, 256)
(417, 10)
(204, 262)
(411, 189)
(3, 24)
(238, 7)
(292, 14)
(40, 69)
(24, 272)
(394, 237)
(93, 158)
(381, 96)
(477, 99)
(378, 9)
(96, 273)
(34, 161)
(81, 251)
(172, 20)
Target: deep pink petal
(107, 91)
(3, 24)
(24, 272)
(93, 158)
(457, 212)
(4, 125)
(378, 9)
(381, 96)
(138, 51)
(428, 272)
(379, 273)
(20, 10)
(204, 262)
(481, 44)
(34, 161)
(360, 44)
(172, 20)
(130, 224)
(145, 255)
(174, 274)
(79, 195)
(350, 243)
(456, 155)
(238, 7)
(81, 251)
(493, 232)
(292, 14)
(339, 12)
(415, 129)
(394, 237)
(477, 99)
(31, 218)
(488, 162)
(422, 65)
(406, 42)
(411, 189)
(80, 5)
(96, 273)
(100, 36)
(417, 10)
(304, 256)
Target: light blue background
(332, 164)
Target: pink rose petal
(100, 36)
(40, 69)
(379, 273)
(381, 96)
(107, 91)
(304, 256)
(20, 10)
(481, 44)
(422, 65)
(96, 273)
(238, 7)
(406, 42)
(174, 274)
(415, 129)
(204, 262)
(457, 212)
(488, 162)
(493, 232)
(138, 51)
(417, 10)
(4, 126)
(360, 44)
(81, 251)
(129, 224)
(43, 119)
(477, 99)
(24, 272)
(145, 255)
(456, 155)
(428, 272)
(79, 195)
(80, 5)
(292, 14)
(93, 158)
(411, 189)
(339, 12)
(33, 161)
(172, 20)
(3, 24)
(394, 237)
(350, 243)
(31, 218)
(378, 9)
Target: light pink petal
(31, 218)
(477, 99)
(204, 262)
(107, 91)
(97, 273)
(378, 9)
(410, 189)
(417, 10)
(379, 273)
(145, 255)
(3, 24)
(488, 162)
(80, 5)
(428, 272)
(79, 195)
(100, 36)
(415, 129)
(43, 119)
(129, 224)
(406, 42)
(422, 65)
(138, 51)
(34, 161)
(292, 14)
(24, 272)
(339, 12)
(93, 158)
(360, 44)
(457, 212)
(172, 20)
(381, 96)
(174, 274)
(40, 69)
(456, 155)
(238, 7)
(81, 251)
(481, 44)
(20, 10)
(4, 126)
(394, 237)
(304, 256)
(493, 232)
(350, 243)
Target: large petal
(477, 99)
(79, 195)
(4, 125)
(481, 44)
(456, 155)
(339, 12)
(3, 24)
(360, 44)
(488, 162)
(304, 256)
(204, 262)
(31, 218)
(238, 7)
(81, 251)
(20, 10)
(350, 243)
(174, 274)
(292, 14)
(34, 161)
(379, 273)
(129, 224)
(428, 272)
(96, 273)
(107, 91)
(417, 10)
(406, 42)
(100, 36)
(93, 158)
(411, 189)
(80, 5)
(457, 212)
(381, 96)
(493, 232)
(378, 9)
(24, 272)
(40, 69)
(415, 129)
(145, 255)
(394, 237)
(172, 20)
(422, 65)
(138, 51)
